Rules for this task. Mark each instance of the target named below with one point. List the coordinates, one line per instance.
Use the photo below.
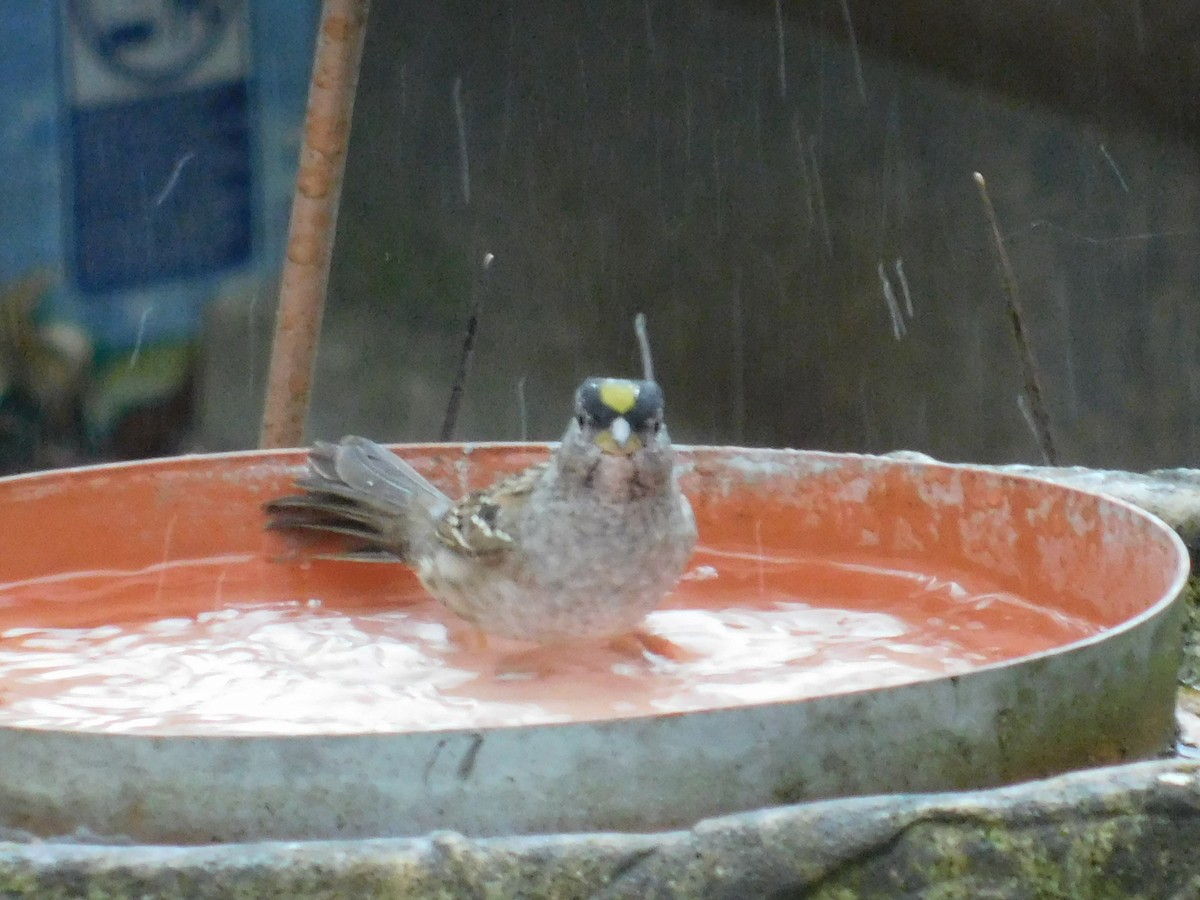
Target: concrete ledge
(1127, 831)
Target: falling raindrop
(893, 307)
(173, 180)
(908, 304)
(464, 161)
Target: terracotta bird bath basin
(171, 673)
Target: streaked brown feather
(476, 524)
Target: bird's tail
(367, 495)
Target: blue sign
(159, 148)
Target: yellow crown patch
(619, 396)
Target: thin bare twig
(522, 408)
(1038, 415)
(482, 282)
(639, 328)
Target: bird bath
(170, 672)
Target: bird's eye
(657, 426)
(581, 419)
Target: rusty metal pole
(314, 220)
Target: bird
(581, 546)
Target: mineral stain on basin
(852, 625)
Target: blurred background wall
(759, 178)
(749, 175)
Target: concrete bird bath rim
(1098, 697)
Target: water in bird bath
(200, 647)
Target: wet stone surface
(1127, 831)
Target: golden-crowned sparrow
(581, 546)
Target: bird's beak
(620, 431)
(618, 438)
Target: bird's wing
(478, 524)
(374, 471)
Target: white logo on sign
(155, 43)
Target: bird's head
(619, 416)
(617, 442)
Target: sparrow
(581, 546)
